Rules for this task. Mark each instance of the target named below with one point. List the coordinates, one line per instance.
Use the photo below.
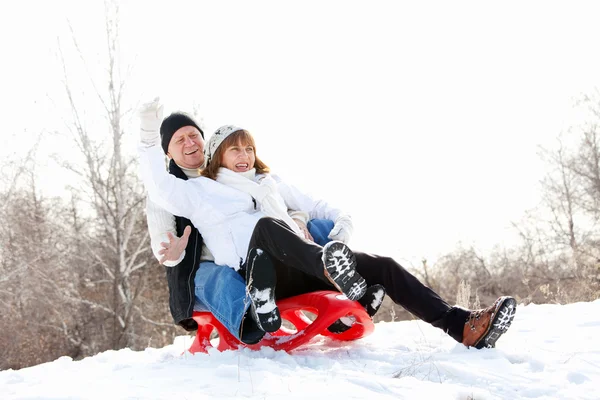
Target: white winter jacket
(224, 216)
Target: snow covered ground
(550, 352)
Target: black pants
(288, 251)
(299, 269)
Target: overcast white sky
(422, 120)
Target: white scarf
(264, 192)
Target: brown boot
(485, 326)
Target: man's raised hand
(151, 116)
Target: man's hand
(172, 251)
(304, 230)
(151, 116)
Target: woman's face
(239, 157)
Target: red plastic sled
(328, 306)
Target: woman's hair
(242, 137)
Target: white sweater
(160, 222)
(223, 215)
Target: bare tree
(559, 255)
(36, 324)
(572, 193)
(113, 240)
(76, 272)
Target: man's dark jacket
(180, 278)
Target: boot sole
(340, 268)
(260, 284)
(500, 324)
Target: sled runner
(328, 306)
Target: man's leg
(319, 229)
(476, 328)
(222, 291)
(407, 291)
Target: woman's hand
(342, 229)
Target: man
(178, 245)
(182, 141)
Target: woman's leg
(407, 291)
(293, 282)
(261, 279)
(277, 239)
(283, 245)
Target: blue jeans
(222, 291)
(319, 229)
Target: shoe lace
(473, 317)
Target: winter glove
(342, 229)
(151, 116)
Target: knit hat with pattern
(217, 138)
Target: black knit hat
(171, 124)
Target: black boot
(371, 301)
(260, 286)
(250, 333)
(340, 268)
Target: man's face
(186, 147)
